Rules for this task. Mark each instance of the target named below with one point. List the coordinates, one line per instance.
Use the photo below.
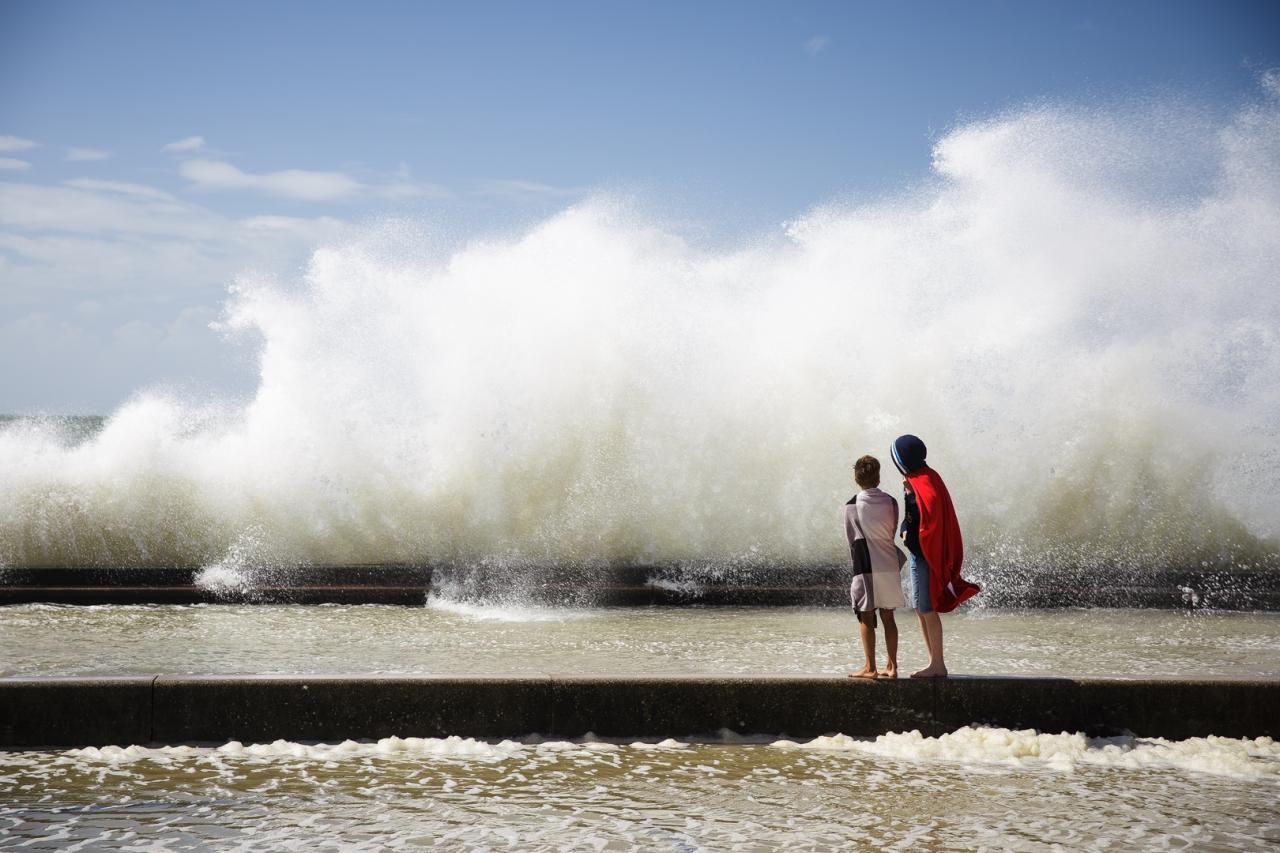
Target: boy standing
(931, 533)
(870, 522)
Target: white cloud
(115, 210)
(191, 143)
(519, 188)
(307, 185)
(9, 164)
(109, 237)
(309, 231)
(412, 189)
(90, 211)
(75, 263)
(15, 143)
(79, 155)
(140, 190)
(816, 45)
(405, 186)
(290, 183)
(81, 261)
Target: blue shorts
(921, 600)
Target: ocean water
(447, 637)
(1076, 310)
(982, 789)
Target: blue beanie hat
(908, 453)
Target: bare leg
(924, 632)
(891, 643)
(931, 625)
(867, 630)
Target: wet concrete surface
(185, 709)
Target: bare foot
(931, 672)
(865, 672)
(892, 672)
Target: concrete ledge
(328, 708)
(75, 711)
(796, 705)
(1166, 708)
(179, 709)
(627, 585)
(412, 596)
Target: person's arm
(906, 510)
(850, 520)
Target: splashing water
(1078, 313)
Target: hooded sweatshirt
(940, 542)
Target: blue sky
(252, 130)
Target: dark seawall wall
(1224, 589)
(177, 709)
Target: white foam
(977, 747)
(666, 743)
(448, 747)
(493, 612)
(981, 746)
(220, 578)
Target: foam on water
(986, 789)
(1078, 311)
(1258, 758)
(504, 613)
(978, 746)
(452, 747)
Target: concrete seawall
(182, 709)
(808, 585)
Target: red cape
(940, 541)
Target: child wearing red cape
(931, 533)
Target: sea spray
(1078, 311)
